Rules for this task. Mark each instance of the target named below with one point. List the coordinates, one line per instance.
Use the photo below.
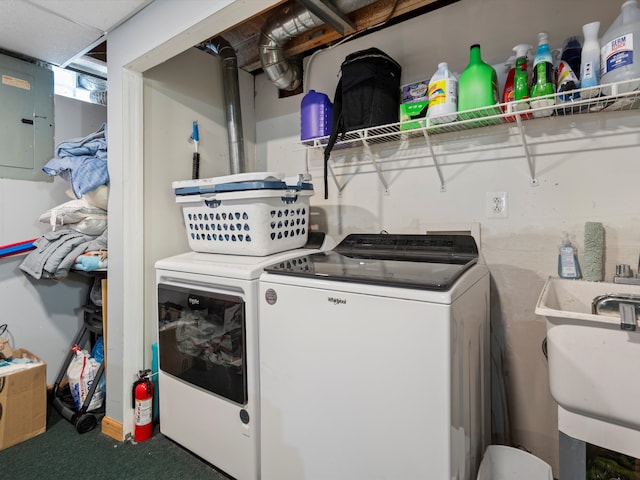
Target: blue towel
(94, 144)
(82, 162)
(83, 173)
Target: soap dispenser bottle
(568, 266)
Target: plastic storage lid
(189, 188)
(237, 178)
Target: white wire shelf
(618, 96)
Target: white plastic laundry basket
(254, 217)
(506, 463)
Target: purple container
(315, 115)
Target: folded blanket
(56, 252)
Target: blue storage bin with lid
(253, 214)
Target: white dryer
(374, 361)
(207, 335)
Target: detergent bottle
(567, 70)
(477, 87)
(620, 59)
(516, 87)
(571, 53)
(508, 94)
(568, 85)
(443, 95)
(315, 115)
(542, 79)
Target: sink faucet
(628, 316)
(625, 305)
(624, 274)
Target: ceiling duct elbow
(279, 29)
(286, 24)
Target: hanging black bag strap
(336, 128)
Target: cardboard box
(414, 103)
(23, 401)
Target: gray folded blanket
(56, 251)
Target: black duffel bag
(367, 95)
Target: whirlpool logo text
(337, 301)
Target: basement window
(72, 84)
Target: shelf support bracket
(373, 158)
(525, 147)
(335, 180)
(443, 187)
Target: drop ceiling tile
(99, 14)
(28, 30)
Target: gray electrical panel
(26, 119)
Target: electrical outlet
(497, 205)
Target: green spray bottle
(516, 88)
(521, 76)
(543, 85)
(477, 87)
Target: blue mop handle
(195, 173)
(195, 135)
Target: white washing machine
(208, 354)
(374, 361)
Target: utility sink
(594, 360)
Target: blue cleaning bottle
(568, 266)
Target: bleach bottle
(619, 57)
(542, 79)
(443, 95)
(315, 115)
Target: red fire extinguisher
(142, 402)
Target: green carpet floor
(61, 453)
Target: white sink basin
(594, 365)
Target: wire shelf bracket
(617, 96)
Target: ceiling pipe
(286, 24)
(231, 86)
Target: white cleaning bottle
(568, 266)
(443, 95)
(590, 61)
(620, 59)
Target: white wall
(583, 176)
(172, 101)
(42, 315)
(170, 29)
(586, 167)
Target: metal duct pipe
(284, 26)
(222, 48)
